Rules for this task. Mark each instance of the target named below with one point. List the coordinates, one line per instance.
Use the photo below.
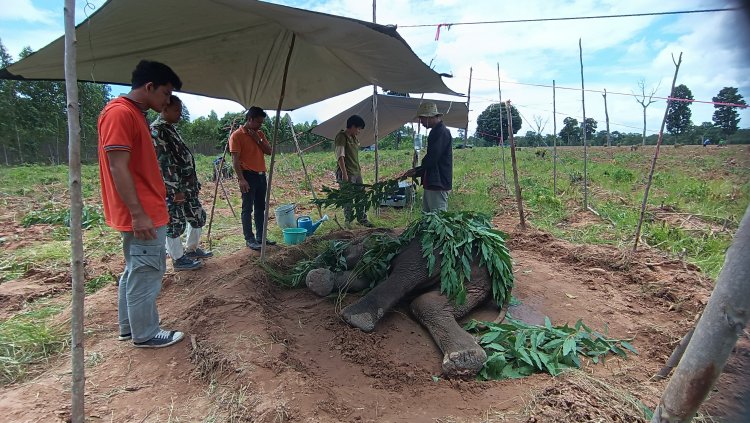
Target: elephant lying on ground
(409, 279)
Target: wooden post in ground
(232, 128)
(519, 200)
(273, 148)
(77, 411)
(554, 141)
(606, 117)
(656, 155)
(583, 133)
(468, 103)
(502, 140)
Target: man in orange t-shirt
(133, 196)
(247, 145)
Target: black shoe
(366, 223)
(199, 253)
(253, 245)
(268, 242)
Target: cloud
(24, 10)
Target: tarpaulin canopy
(393, 113)
(236, 50)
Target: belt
(254, 172)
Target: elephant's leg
(323, 282)
(353, 254)
(408, 272)
(462, 356)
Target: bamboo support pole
(304, 167)
(519, 200)
(583, 133)
(554, 140)
(273, 149)
(502, 140)
(77, 413)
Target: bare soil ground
(256, 352)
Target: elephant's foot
(465, 362)
(360, 316)
(320, 281)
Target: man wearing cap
(436, 169)
(247, 145)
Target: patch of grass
(94, 284)
(51, 214)
(28, 339)
(51, 255)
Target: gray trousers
(434, 200)
(140, 284)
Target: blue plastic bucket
(294, 236)
(285, 216)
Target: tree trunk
(723, 321)
(18, 141)
(644, 126)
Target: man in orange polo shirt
(133, 195)
(248, 145)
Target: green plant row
(91, 216)
(516, 349)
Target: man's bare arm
(143, 226)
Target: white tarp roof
(236, 50)
(393, 113)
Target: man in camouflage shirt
(178, 170)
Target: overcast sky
(617, 53)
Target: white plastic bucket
(285, 216)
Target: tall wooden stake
(302, 160)
(656, 155)
(502, 140)
(606, 116)
(554, 140)
(375, 113)
(273, 149)
(583, 131)
(468, 104)
(519, 200)
(77, 412)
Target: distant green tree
(570, 134)
(591, 124)
(489, 121)
(726, 117)
(678, 114)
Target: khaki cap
(428, 109)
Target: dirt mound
(36, 283)
(257, 352)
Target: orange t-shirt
(122, 127)
(251, 156)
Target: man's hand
(408, 173)
(179, 198)
(244, 186)
(143, 227)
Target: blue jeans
(140, 284)
(253, 205)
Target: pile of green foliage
(457, 237)
(516, 349)
(364, 196)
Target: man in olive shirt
(347, 158)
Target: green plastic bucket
(294, 236)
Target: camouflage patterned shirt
(175, 159)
